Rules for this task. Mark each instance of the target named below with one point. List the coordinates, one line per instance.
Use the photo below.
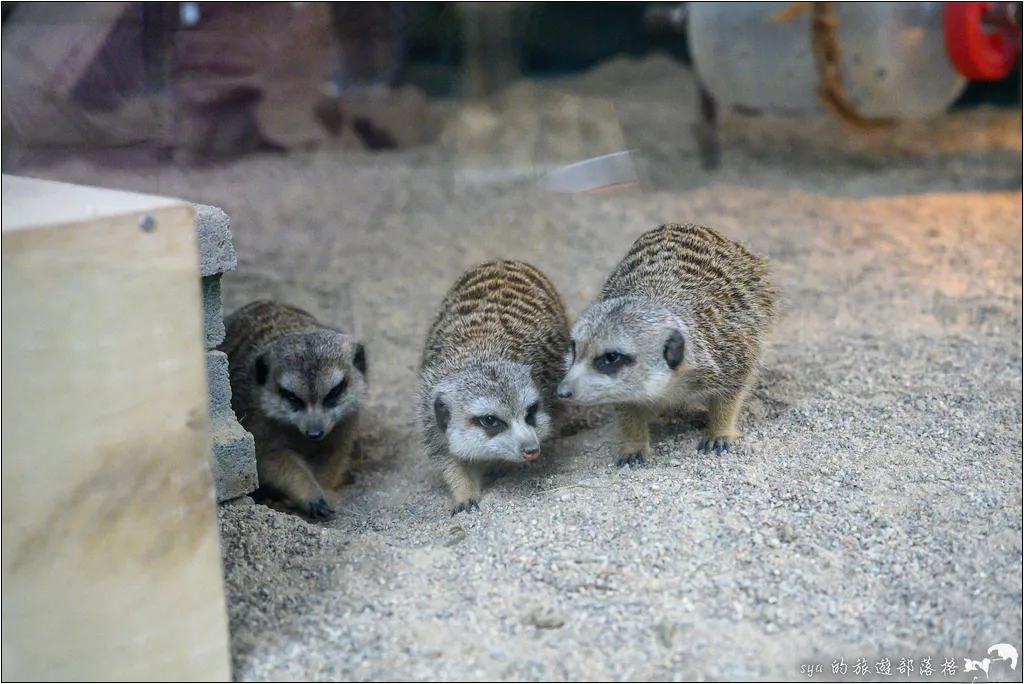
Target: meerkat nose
(530, 451)
(564, 392)
(315, 435)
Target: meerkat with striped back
(298, 386)
(680, 321)
(490, 367)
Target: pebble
(859, 277)
(788, 533)
(546, 617)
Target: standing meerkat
(680, 320)
(491, 364)
(298, 387)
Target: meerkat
(491, 363)
(679, 321)
(298, 386)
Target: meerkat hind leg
(287, 474)
(634, 422)
(722, 432)
(464, 481)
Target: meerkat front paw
(633, 456)
(635, 447)
(716, 444)
(467, 506)
(319, 509)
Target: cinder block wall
(234, 452)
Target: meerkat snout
(614, 358)
(502, 419)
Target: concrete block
(213, 312)
(219, 385)
(234, 451)
(234, 460)
(217, 254)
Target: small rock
(773, 543)
(546, 617)
(666, 631)
(455, 536)
(788, 533)
(674, 462)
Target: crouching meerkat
(679, 321)
(491, 364)
(298, 387)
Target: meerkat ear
(441, 413)
(359, 358)
(262, 370)
(674, 347)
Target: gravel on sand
(873, 509)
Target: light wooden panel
(111, 558)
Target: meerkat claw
(637, 459)
(717, 445)
(467, 506)
(319, 509)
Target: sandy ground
(873, 511)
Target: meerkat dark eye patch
(359, 359)
(531, 414)
(612, 362)
(492, 425)
(293, 400)
(674, 348)
(441, 413)
(262, 371)
(334, 396)
(572, 350)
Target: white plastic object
(616, 171)
(599, 174)
(894, 61)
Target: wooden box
(111, 557)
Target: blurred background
(368, 153)
(195, 82)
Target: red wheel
(976, 52)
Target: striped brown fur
(684, 315)
(278, 356)
(498, 341)
(502, 308)
(719, 284)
